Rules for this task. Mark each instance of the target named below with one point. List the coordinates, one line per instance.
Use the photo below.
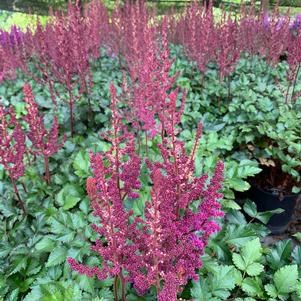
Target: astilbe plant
(275, 33)
(12, 52)
(44, 142)
(227, 51)
(131, 34)
(12, 148)
(162, 247)
(172, 236)
(115, 178)
(196, 31)
(66, 54)
(147, 93)
(59, 52)
(294, 62)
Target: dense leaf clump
(133, 190)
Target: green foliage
(236, 266)
(246, 276)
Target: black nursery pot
(266, 201)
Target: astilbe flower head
(44, 142)
(227, 51)
(115, 177)
(149, 90)
(273, 36)
(296, 24)
(12, 53)
(197, 33)
(173, 235)
(161, 247)
(12, 143)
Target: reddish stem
(122, 280)
(71, 112)
(22, 205)
(115, 289)
(146, 146)
(287, 91)
(47, 172)
(295, 81)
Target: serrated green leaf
(280, 254)
(238, 261)
(18, 264)
(238, 235)
(298, 289)
(296, 255)
(70, 202)
(106, 294)
(236, 217)
(252, 286)
(46, 244)
(69, 196)
(251, 251)
(81, 164)
(254, 269)
(265, 216)
(271, 290)
(199, 291)
(86, 283)
(238, 184)
(13, 296)
(250, 208)
(57, 256)
(224, 278)
(286, 279)
(230, 204)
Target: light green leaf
(199, 291)
(57, 256)
(81, 164)
(286, 279)
(298, 289)
(238, 184)
(265, 216)
(252, 286)
(18, 264)
(230, 204)
(69, 196)
(223, 279)
(250, 208)
(46, 244)
(271, 290)
(238, 261)
(279, 255)
(296, 189)
(251, 251)
(254, 269)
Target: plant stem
(47, 172)
(123, 297)
(295, 81)
(24, 187)
(22, 205)
(115, 288)
(71, 113)
(146, 146)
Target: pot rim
(298, 195)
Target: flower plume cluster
(12, 143)
(162, 246)
(44, 142)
